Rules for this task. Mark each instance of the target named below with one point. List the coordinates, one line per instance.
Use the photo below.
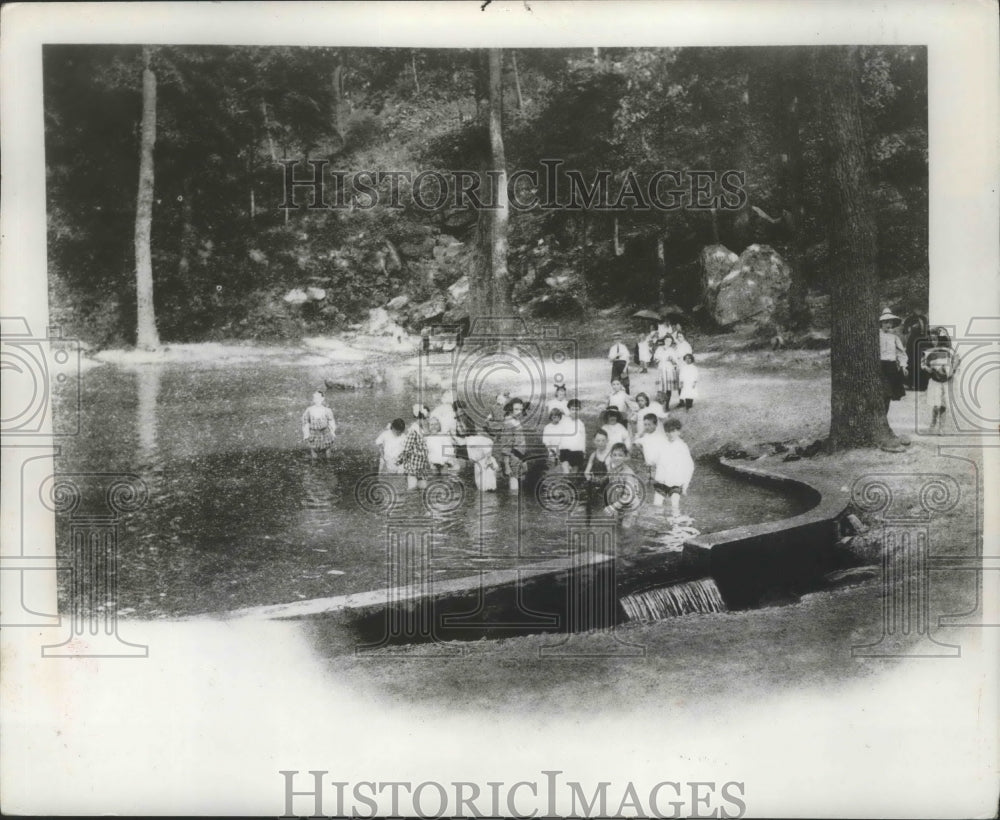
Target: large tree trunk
(490, 279)
(789, 91)
(339, 103)
(517, 81)
(501, 214)
(857, 412)
(146, 335)
(413, 66)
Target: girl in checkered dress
(414, 459)
(318, 426)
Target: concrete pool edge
(745, 561)
(706, 554)
(371, 600)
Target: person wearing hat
(619, 355)
(893, 360)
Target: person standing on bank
(940, 363)
(893, 360)
(619, 355)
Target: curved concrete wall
(762, 563)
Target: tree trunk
(500, 302)
(517, 81)
(267, 132)
(413, 65)
(187, 232)
(338, 108)
(146, 334)
(858, 416)
(791, 183)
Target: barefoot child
(389, 445)
(672, 471)
(318, 427)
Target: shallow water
(239, 516)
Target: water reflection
(148, 389)
(238, 516)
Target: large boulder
(756, 289)
(458, 291)
(716, 263)
(397, 303)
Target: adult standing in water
(893, 361)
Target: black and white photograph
(500, 409)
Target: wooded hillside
(228, 261)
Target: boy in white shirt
(573, 449)
(619, 399)
(672, 471)
(389, 445)
(440, 447)
(619, 356)
(651, 441)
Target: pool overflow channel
(736, 569)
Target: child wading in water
(672, 471)
(389, 445)
(414, 459)
(513, 444)
(596, 472)
(941, 364)
(480, 451)
(318, 426)
(623, 491)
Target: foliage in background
(225, 254)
